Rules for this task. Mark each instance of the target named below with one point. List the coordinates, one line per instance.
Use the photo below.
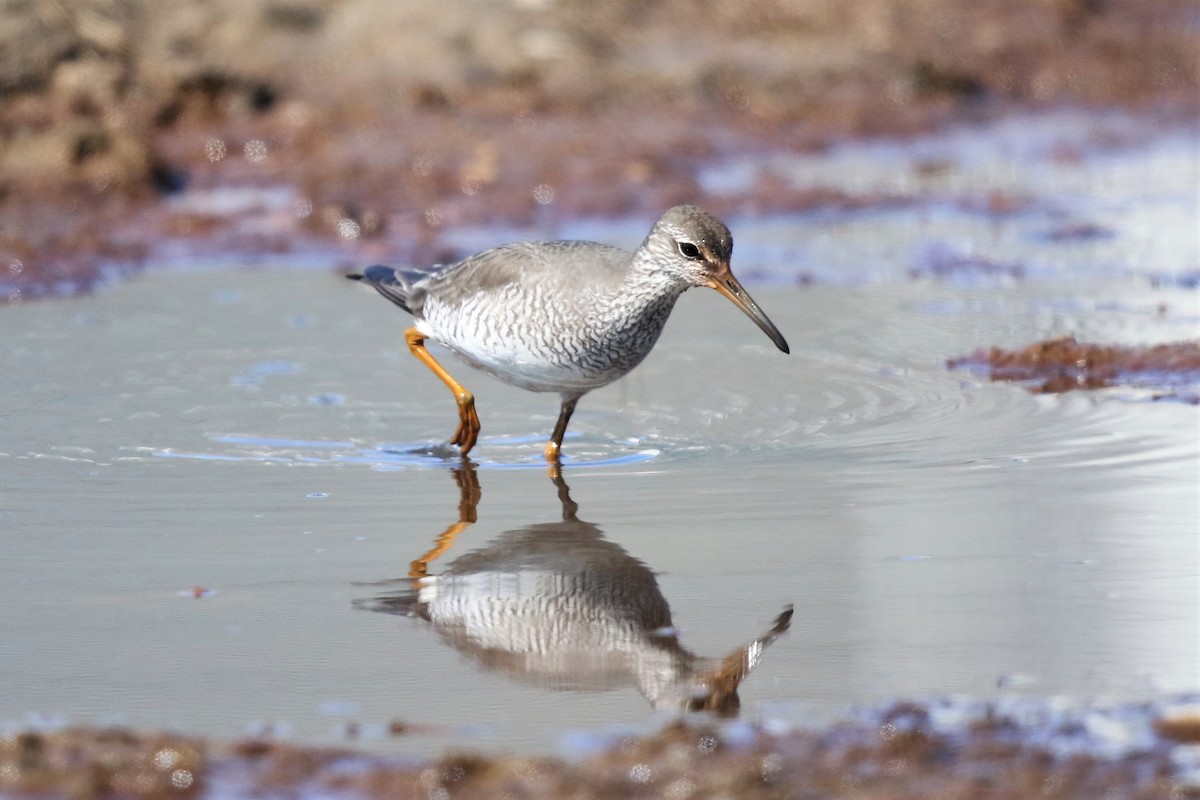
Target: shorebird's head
(695, 248)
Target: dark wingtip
(388, 282)
(376, 273)
(379, 273)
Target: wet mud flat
(953, 750)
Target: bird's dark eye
(689, 250)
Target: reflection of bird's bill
(725, 283)
(722, 683)
(737, 665)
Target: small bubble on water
(276, 366)
(338, 708)
(302, 208)
(433, 217)
(15, 266)
(181, 778)
(330, 399)
(543, 194)
(641, 773)
(317, 495)
(255, 150)
(771, 766)
(1015, 681)
(214, 149)
(348, 228)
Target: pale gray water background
(243, 432)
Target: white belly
(543, 351)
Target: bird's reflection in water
(558, 605)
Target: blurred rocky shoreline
(390, 123)
(949, 749)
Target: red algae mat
(1064, 364)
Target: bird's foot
(467, 433)
(553, 455)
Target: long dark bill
(726, 284)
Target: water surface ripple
(204, 470)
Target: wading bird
(564, 317)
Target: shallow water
(214, 479)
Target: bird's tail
(389, 282)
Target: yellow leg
(469, 495)
(468, 421)
(554, 446)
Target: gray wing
(548, 263)
(559, 263)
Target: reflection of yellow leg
(569, 506)
(468, 421)
(419, 568)
(469, 495)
